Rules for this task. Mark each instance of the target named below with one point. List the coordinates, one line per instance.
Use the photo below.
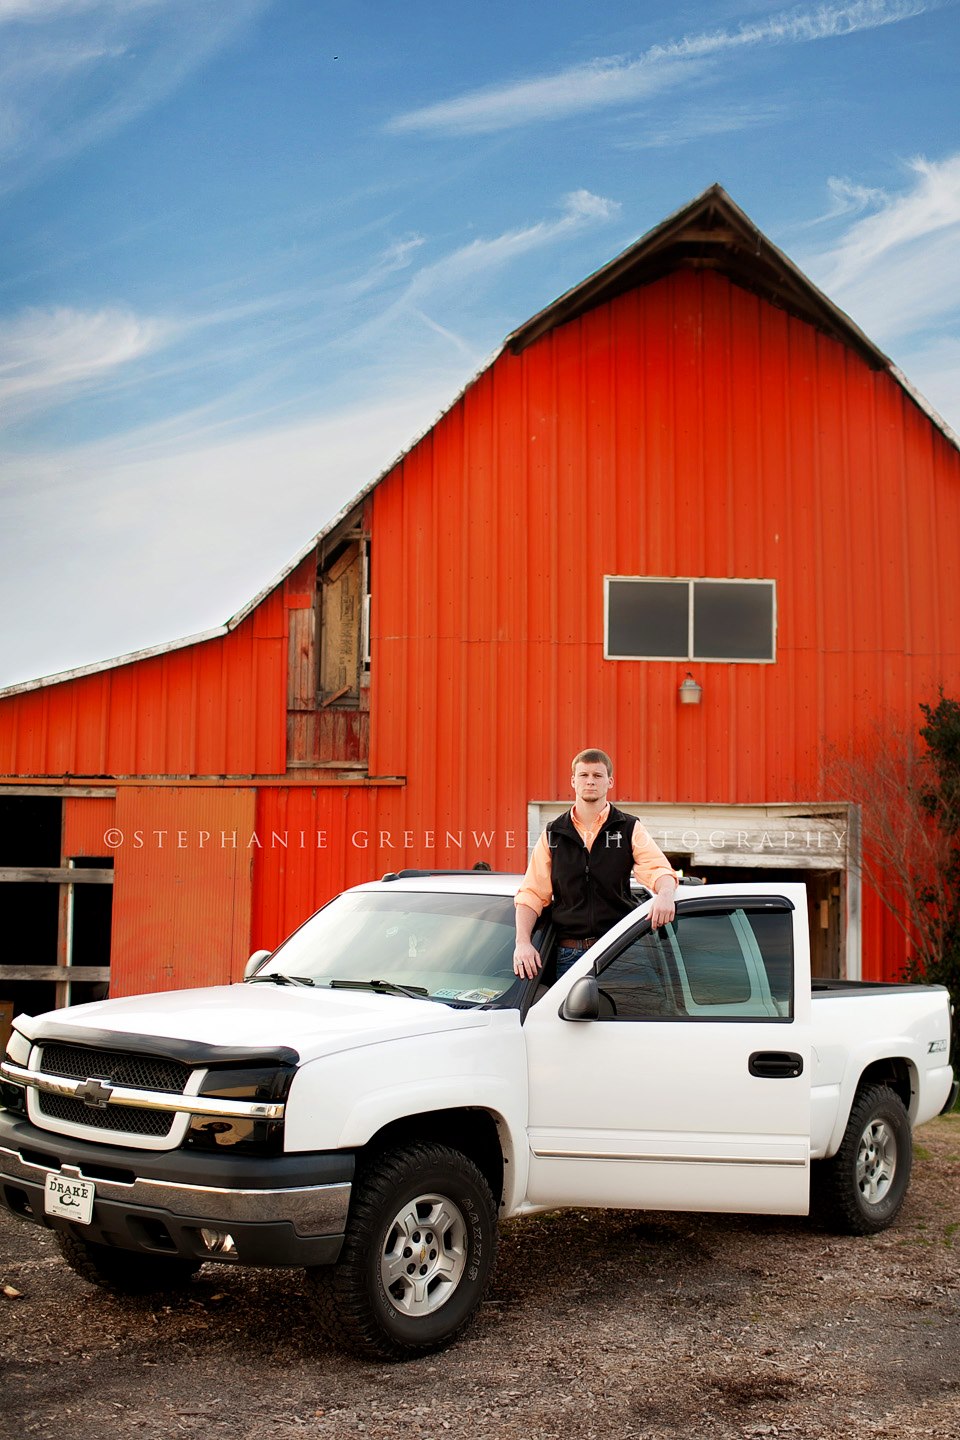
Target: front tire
(125, 1272)
(859, 1191)
(417, 1257)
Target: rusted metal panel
(341, 735)
(182, 889)
(328, 737)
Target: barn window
(648, 618)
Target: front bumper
(278, 1210)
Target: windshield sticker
(479, 995)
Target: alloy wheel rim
(876, 1161)
(424, 1254)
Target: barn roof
(709, 233)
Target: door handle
(775, 1064)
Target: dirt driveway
(599, 1324)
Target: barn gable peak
(710, 233)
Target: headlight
(263, 1137)
(14, 1097)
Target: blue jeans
(566, 956)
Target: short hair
(592, 757)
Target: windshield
(455, 948)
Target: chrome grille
(142, 1072)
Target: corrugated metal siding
(181, 902)
(85, 823)
(208, 709)
(324, 846)
(318, 840)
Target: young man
(582, 863)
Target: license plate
(68, 1199)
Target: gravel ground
(599, 1323)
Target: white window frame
(690, 581)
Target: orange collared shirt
(649, 861)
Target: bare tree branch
(905, 856)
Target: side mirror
(254, 963)
(582, 1001)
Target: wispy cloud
(617, 80)
(47, 356)
(41, 10)
(464, 269)
(846, 198)
(75, 71)
(930, 206)
(896, 270)
(393, 311)
(146, 505)
(478, 257)
(700, 124)
(551, 97)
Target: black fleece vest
(591, 888)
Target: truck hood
(245, 1017)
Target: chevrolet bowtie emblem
(95, 1093)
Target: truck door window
(772, 932)
(637, 985)
(710, 962)
(728, 965)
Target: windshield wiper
(385, 987)
(279, 979)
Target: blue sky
(250, 248)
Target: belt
(571, 944)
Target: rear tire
(125, 1272)
(417, 1257)
(859, 1191)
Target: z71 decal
(936, 1047)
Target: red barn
(691, 468)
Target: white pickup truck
(382, 1087)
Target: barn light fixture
(689, 691)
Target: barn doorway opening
(826, 905)
(55, 911)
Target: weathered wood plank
(302, 664)
(55, 875)
(340, 626)
(58, 973)
(55, 792)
